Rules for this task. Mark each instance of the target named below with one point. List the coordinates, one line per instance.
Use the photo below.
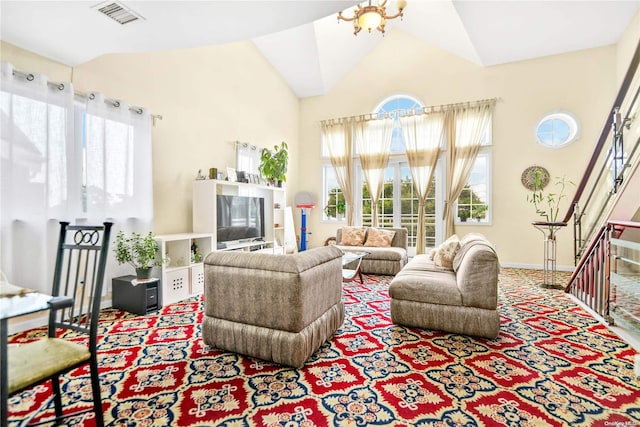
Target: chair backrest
(79, 273)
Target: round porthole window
(557, 129)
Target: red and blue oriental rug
(552, 365)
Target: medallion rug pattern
(552, 365)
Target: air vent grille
(118, 12)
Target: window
(393, 106)
(333, 202)
(473, 205)
(247, 158)
(409, 208)
(398, 205)
(385, 203)
(557, 129)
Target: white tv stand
(205, 218)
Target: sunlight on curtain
(117, 180)
(64, 160)
(422, 137)
(337, 137)
(464, 126)
(36, 143)
(373, 141)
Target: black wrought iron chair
(77, 290)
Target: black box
(136, 296)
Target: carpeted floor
(552, 365)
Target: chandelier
(372, 16)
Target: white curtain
(422, 138)
(373, 140)
(83, 161)
(247, 158)
(118, 176)
(37, 141)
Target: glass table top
(17, 301)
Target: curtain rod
(246, 145)
(60, 86)
(411, 112)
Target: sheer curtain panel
(247, 157)
(422, 138)
(86, 160)
(37, 142)
(337, 137)
(373, 141)
(465, 125)
(117, 181)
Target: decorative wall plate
(528, 177)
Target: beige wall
(627, 46)
(26, 61)
(581, 82)
(208, 98)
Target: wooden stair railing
(590, 282)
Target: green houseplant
(138, 250)
(547, 205)
(273, 163)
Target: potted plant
(138, 250)
(273, 164)
(547, 205)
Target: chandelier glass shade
(371, 16)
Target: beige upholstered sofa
(461, 300)
(381, 260)
(280, 308)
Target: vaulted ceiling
(303, 40)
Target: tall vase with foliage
(273, 163)
(140, 251)
(547, 205)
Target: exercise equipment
(304, 201)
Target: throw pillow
(352, 236)
(446, 252)
(378, 237)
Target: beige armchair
(279, 308)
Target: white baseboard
(569, 268)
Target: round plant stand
(549, 230)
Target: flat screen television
(240, 218)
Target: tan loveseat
(280, 308)
(381, 260)
(461, 300)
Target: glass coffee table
(351, 261)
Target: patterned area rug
(552, 365)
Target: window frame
(566, 117)
(326, 168)
(488, 155)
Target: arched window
(395, 105)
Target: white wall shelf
(181, 275)
(205, 219)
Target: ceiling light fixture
(372, 16)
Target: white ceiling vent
(118, 12)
